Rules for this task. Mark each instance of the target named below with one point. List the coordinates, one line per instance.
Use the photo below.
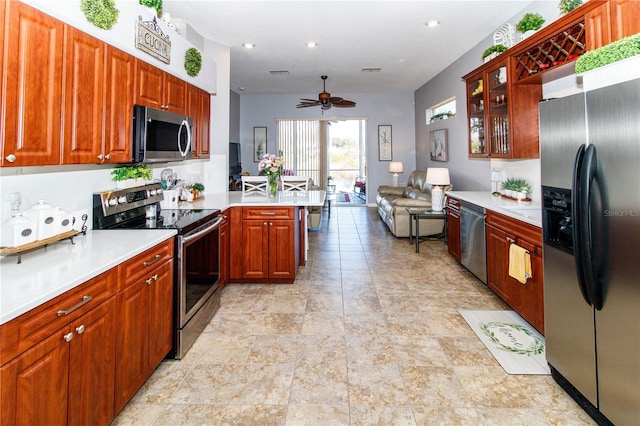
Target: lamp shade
(395, 167)
(438, 176)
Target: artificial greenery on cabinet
(530, 22)
(192, 61)
(496, 48)
(156, 4)
(101, 13)
(613, 52)
(567, 6)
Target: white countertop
(530, 213)
(223, 200)
(48, 272)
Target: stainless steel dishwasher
(473, 246)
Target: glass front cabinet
(502, 116)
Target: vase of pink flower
(271, 166)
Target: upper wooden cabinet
(120, 78)
(198, 107)
(32, 82)
(502, 117)
(83, 97)
(612, 21)
(158, 89)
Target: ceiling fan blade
(306, 105)
(344, 104)
(335, 99)
(308, 100)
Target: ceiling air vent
(279, 72)
(371, 69)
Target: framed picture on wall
(259, 143)
(384, 143)
(439, 145)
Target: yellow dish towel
(519, 263)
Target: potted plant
(198, 189)
(523, 189)
(493, 51)
(156, 4)
(101, 13)
(192, 61)
(567, 6)
(130, 176)
(530, 23)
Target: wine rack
(564, 46)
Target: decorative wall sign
(259, 143)
(151, 39)
(439, 145)
(384, 143)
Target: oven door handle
(204, 231)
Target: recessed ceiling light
(241, 88)
(371, 69)
(432, 24)
(248, 45)
(312, 44)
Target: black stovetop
(183, 220)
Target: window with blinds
(302, 145)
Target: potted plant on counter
(130, 176)
(198, 190)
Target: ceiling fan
(325, 100)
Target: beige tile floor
(369, 334)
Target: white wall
(469, 174)
(71, 187)
(395, 109)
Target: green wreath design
(101, 13)
(192, 61)
(535, 349)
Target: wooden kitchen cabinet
(58, 368)
(32, 107)
(83, 98)
(502, 117)
(120, 78)
(453, 228)
(264, 244)
(158, 89)
(144, 319)
(611, 21)
(526, 299)
(224, 249)
(198, 107)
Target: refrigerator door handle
(585, 177)
(576, 218)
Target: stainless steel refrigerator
(590, 174)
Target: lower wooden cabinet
(145, 323)
(66, 378)
(80, 357)
(526, 299)
(264, 244)
(453, 228)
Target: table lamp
(395, 167)
(437, 176)
(496, 177)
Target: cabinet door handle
(80, 329)
(10, 158)
(107, 157)
(511, 240)
(270, 223)
(264, 224)
(67, 337)
(85, 300)
(268, 213)
(100, 157)
(149, 281)
(151, 262)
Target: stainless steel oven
(197, 257)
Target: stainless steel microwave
(161, 136)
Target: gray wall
(234, 116)
(466, 174)
(395, 109)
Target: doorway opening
(347, 168)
